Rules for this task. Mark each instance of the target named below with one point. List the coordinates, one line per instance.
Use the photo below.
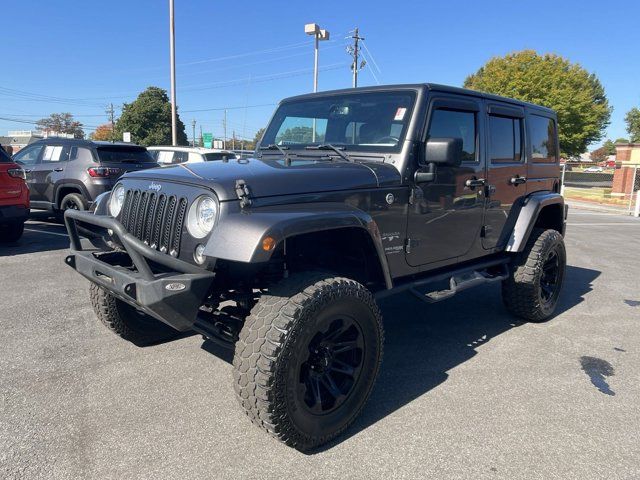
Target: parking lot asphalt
(465, 391)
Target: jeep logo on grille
(155, 186)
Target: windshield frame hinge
(243, 193)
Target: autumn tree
(632, 119)
(61, 123)
(599, 155)
(103, 132)
(148, 118)
(552, 81)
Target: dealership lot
(465, 390)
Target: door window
(505, 145)
(28, 156)
(55, 154)
(456, 124)
(543, 139)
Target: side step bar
(462, 281)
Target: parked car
(14, 199)
(593, 170)
(173, 155)
(67, 173)
(353, 195)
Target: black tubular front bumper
(174, 296)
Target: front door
(506, 171)
(28, 158)
(445, 216)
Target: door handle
(27, 170)
(475, 182)
(518, 180)
(59, 169)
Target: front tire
(532, 290)
(127, 322)
(307, 358)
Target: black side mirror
(444, 151)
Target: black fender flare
(78, 187)
(530, 209)
(238, 237)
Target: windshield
(208, 157)
(375, 121)
(124, 155)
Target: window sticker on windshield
(400, 114)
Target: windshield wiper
(328, 146)
(282, 150)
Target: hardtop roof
(431, 87)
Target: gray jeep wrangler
(352, 195)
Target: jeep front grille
(156, 219)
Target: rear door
(506, 171)
(49, 171)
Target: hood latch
(243, 193)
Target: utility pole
(172, 55)
(234, 141)
(201, 142)
(224, 126)
(193, 126)
(355, 52)
(111, 113)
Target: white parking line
(48, 233)
(600, 224)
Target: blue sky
(82, 55)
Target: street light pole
(172, 55)
(193, 125)
(318, 34)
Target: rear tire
(532, 290)
(73, 201)
(127, 322)
(12, 232)
(307, 358)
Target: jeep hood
(272, 176)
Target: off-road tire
(12, 232)
(522, 291)
(125, 321)
(73, 199)
(270, 345)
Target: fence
(610, 188)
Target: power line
(370, 55)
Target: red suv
(14, 199)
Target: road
(466, 391)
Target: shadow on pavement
(43, 232)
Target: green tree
(552, 81)
(632, 119)
(148, 118)
(61, 123)
(257, 137)
(299, 135)
(609, 147)
(621, 140)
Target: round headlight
(202, 216)
(116, 200)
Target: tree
(632, 119)
(599, 154)
(258, 136)
(299, 135)
(552, 81)
(609, 147)
(103, 132)
(148, 118)
(621, 140)
(61, 123)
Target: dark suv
(352, 195)
(69, 173)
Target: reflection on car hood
(269, 177)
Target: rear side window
(505, 139)
(81, 154)
(208, 157)
(456, 124)
(180, 157)
(543, 139)
(124, 155)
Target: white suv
(172, 155)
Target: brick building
(624, 178)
